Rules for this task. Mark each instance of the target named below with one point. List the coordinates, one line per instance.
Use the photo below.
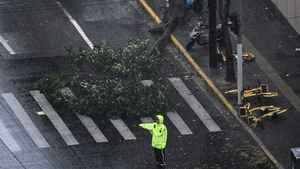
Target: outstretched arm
(147, 126)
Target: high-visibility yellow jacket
(158, 131)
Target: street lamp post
(239, 55)
(240, 72)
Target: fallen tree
(110, 82)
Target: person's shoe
(188, 47)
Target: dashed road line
(8, 139)
(178, 122)
(92, 128)
(76, 25)
(7, 46)
(25, 120)
(58, 123)
(195, 105)
(123, 129)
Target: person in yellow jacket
(159, 134)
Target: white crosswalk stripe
(7, 46)
(57, 122)
(8, 139)
(87, 121)
(123, 129)
(25, 120)
(194, 104)
(178, 122)
(92, 128)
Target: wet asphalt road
(34, 36)
(41, 30)
(36, 28)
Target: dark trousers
(160, 158)
(192, 42)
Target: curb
(212, 86)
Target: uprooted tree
(110, 81)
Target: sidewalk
(273, 41)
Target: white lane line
(178, 122)
(6, 46)
(8, 139)
(58, 123)
(147, 120)
(123, 129)
(194, 104)
(76, 25)
(25, 120)
(92, 128)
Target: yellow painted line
(209, 82)
(191, 61)
(150, 11)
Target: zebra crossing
(25, 120)
(8, 139)
(53, 116)
(195, 104)
(178, 122)
(92, 128)
(123, 129)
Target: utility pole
(212, 8)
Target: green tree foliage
(108, 81)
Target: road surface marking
(178, 122)
(25, 120)
(6, 46)
(87, 121)
(8, 139)
(147, 120)
(58, 123)
(195, 105)
(123, 129)
(92, 128)
(76, 25)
